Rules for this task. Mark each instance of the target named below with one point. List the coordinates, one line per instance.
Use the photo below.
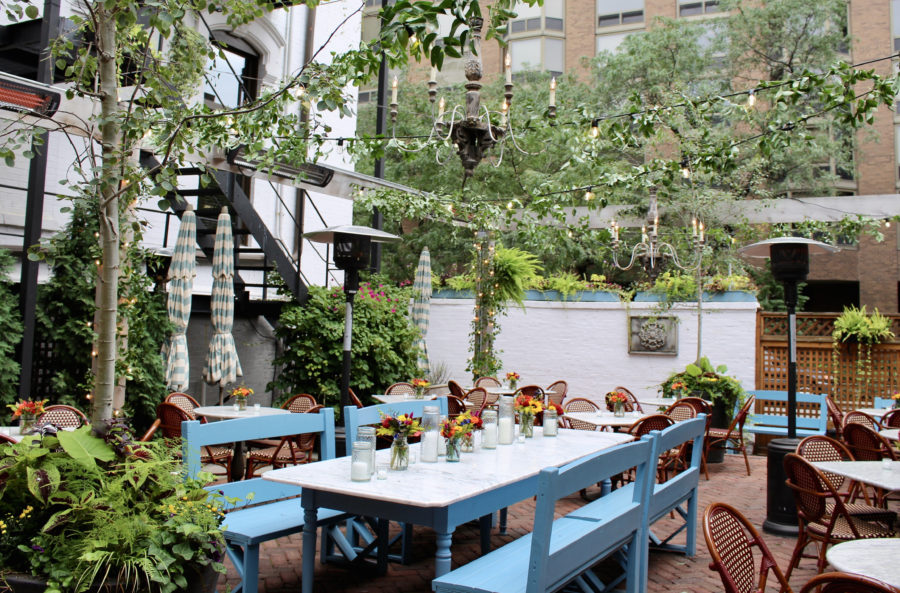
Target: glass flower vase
(400, 454)
(512, 385)
(420, 393)
(526, 425)
(454, 448)
(468, 443)
(619, 410)
(242, 403)
(26, 422)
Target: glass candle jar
(360, 460)
(506, 421)
(442, 442)
(489, 432)
(366, 434)
(431, 434)
(551, 422)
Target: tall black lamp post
(352, 250)
(789, 260)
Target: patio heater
(352, 248)
(789, 260)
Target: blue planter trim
(537, 295)
(729, 296)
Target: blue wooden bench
(563, 551)
(247, 526)
(356, 527)
(770, 414)
(666, 497)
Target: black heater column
(790, 265)
(351, 287)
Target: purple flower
(37, 548)
(222, 492)
(393, 310)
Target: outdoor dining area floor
(280, 560)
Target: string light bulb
(509, 206)
(685, 168)
(751, 99)
(589, 196)
(595, 129)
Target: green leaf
(84, 448)
(721, 369)
(693, 370)
(163, 204)
(31, 12)
(184, 550)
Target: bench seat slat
(271, 521)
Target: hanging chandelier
(653, 255)
(470, 127)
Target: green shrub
(383, 336)
(11, 330)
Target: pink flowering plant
(383, 338)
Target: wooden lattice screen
(815, 364)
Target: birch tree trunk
(108, 276)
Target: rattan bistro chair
(456, 390)
(298, 404)
(843, 582)
(679, 411)
(289, 450)
(401, 389)
(812, 492)
(734, 435)
(456, 406)
(866, 444)
(836, 415)
(631, 405)
(856, 417)
(891, 419)
(730, 539)
(169, 419)
(62, 417)
(488, 382)
(820, 448)
(186, 403)
(355, 400)
(579, 405)
(477, 397)
(560, 391)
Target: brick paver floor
(280, 561)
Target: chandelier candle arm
(432, 85)
(552, 101)
(394, 100)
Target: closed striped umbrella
(222, 364)
(421, 310)
(178, 305)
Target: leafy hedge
(11, 330)
(383, 335)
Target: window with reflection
(232, 80)
(611, 13)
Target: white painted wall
(586, 344)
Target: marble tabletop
(891, 434)
(868, 472)
(607, 419)
(877, 412)
(868, 557)
(12, 432)
(656, 402)
(442, 484)
(229, 413)
(398, 399)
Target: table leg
(237, 462)
(310, 517)
(442, 557)
(384, 538)
(503, 521)
(484, 524)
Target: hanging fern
(513, 270)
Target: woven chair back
(477, 396)
(401, 389)
(856, 417)
(842, 582)
(62, 417)
(183, 401)
(865, 443)
(560, 389)
(891, 419)
(307, 440)
(579, 404)
(299, 404)
(532, 391)
(810, 486)
(817, 449)
(632, 400)
(456, 390)
(489, 382)
(649, 424)
(729, 546)
(701, 405)
(456, 406)
(170, 418)
(680, 411)
(835, 413)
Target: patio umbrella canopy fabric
(421, 310)
(178, 305)
(222, 364)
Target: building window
(611, 13)
(895, 23)
(529, 18)
(232, 81)
(693, 7)
(610, 43)
(540, 53)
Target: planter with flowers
(421, 385)
(512, 379)
(527, 408)
(400, 428)
(896, 399)
(27, 411)
(89, 511)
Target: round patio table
(229, 413)
(607, 419)
(877, 412)
(11, 432)
(872, 558)
(891, 434)
(656, 402)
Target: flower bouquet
(27, 411)
(400, 428)
(527, 408)
(421, 385)
(617, 400)
(512, 378)
(455, 431)
(468, 445)
(240, 395)
(896, 398)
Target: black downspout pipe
(34, 209)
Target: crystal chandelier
(654, 255)
(471, 126)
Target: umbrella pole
(221, 395)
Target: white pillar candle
(507, 431)
(508, 68)
(382, 473)
(433, 74)
(430, 447)
(359, 471)
(489, 436)
(550, 426)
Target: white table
(399, 399)
(229, 413)
(656, 402)
(877, 412)
(891, 434)
(12, 432)
(874, 558)
(607, 419)
(439, 495)
(867, 472)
